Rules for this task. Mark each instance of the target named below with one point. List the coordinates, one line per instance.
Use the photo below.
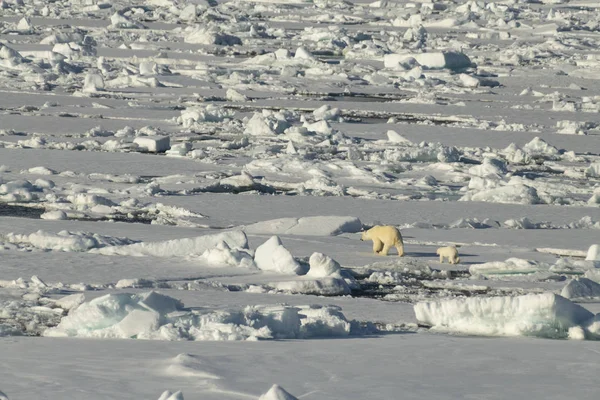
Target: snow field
(225, 154)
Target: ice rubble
(543, 315)
(179, 247)
(309, 226)
(154, 316)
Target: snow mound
(277, 393)
(581, 288)
(154, 316)
(308, 226)
(66, 241)
(510, 266)
(544, 315)
(272, 256)
(322, 266)
(179, 247)
(223, 255)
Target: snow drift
(308, 226)
(179, 247)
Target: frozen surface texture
(180, 178)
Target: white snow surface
(158, 146)
(307, 226)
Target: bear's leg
(441, 259)
(400, 249)
(385, 250)
(457, 260)
(377, 246)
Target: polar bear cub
(448, 252)
(384, 237)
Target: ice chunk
(158, 302)
(544, 315)
(320, 287)
(233, 95)
(277, 393)
(54, 215)
(452, 60)
(24, 25)
(395, 137)
(593, 274)
(93, 83)
(510, 266)
(70, 302)
(593, 253)
(593, 171)
(223, 255)
(303, 54)
(211, 36)
(513, 193)
(322, 266)
(138, 322)
(179, 247)
(272, 256)
(576, 333)
(120, 21)
(592, 327)
(154, 144)
(581, 288)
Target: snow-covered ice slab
(179, 247)
(434, 60)
(544, 315)
(308, 226)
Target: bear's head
(364, 235)
(437, 252)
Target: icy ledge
(543, 315)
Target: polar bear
(448, 252)
(384, 237)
